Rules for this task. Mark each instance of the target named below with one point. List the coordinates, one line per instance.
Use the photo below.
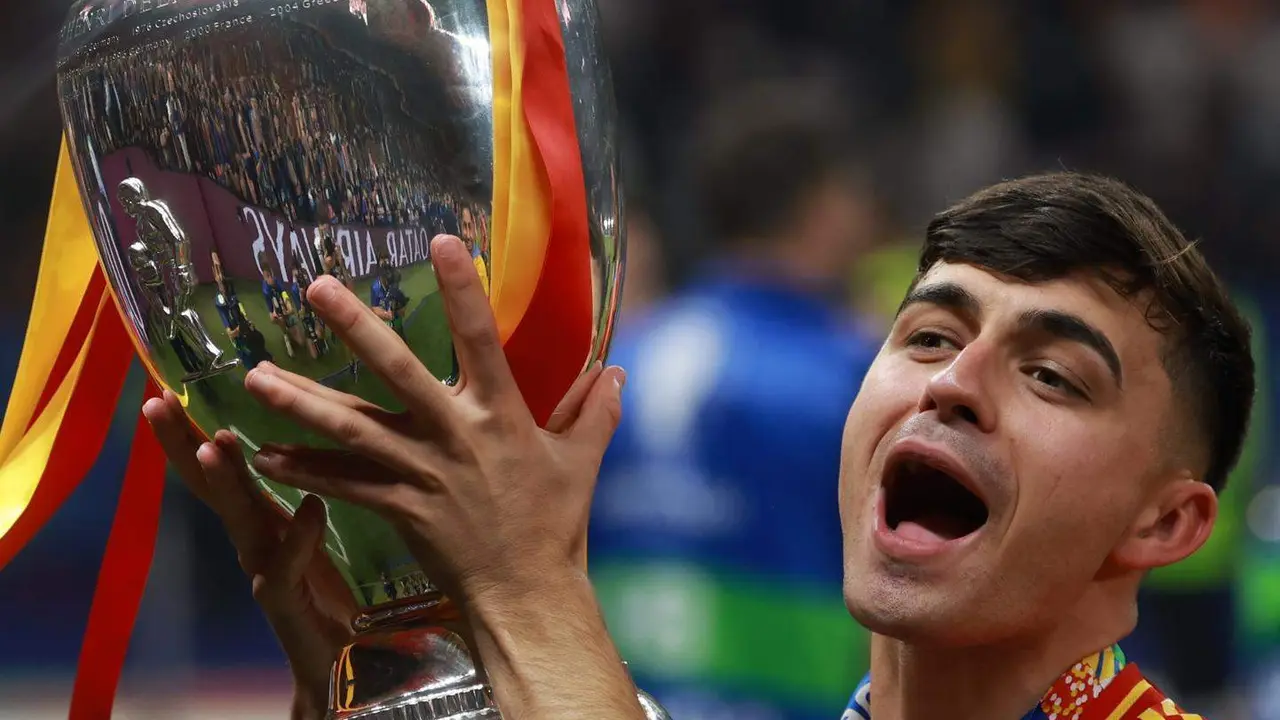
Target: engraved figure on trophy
(161, 262)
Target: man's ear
(1175, 523)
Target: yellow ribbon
(66, 265)
(521, 217)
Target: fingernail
(258, 380)
(446, 246)
(323, 289)
(620, 378)
(264, 459)
(206, 453)
(151, 407)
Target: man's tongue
(933, 527)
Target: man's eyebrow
(944, 295)
(1066, 326)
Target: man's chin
(909, 616)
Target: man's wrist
(531, 590)
(546, 650)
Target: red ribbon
(81, 324)
(122, 580)
(549, 347)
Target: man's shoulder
(1131, 696)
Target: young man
(281, 307)
(1052, 415)
(474, 240)
(386, 298)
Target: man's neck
(997, 682)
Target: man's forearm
(550, 657)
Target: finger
(567, 411)
(321, 390)
(378, 346)
(601, 413)
(332, 473)
(241, 515)
(284, 597)
(334, 420)
(227, 442)
(301, 542)
(172, 430)
(475, 331)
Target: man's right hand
(304, 599)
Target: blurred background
(781, 162)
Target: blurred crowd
(1175, 97)
(781, 160)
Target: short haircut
(1047, 227)
(762, 150)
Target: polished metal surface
(229, 152)
(652, 710)
(420, 673)
(161, 263)
(424, 673)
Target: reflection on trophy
(258, 144)
(160, 259)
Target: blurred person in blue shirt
(715, 540)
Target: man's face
(468, 226)
(1003, 443)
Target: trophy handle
(652, 710)
(160, 259)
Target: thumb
(279, 587)
(601, 412)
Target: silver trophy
(229, 152)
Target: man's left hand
(489, 502)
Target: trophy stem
(411, 661)
(417, 661)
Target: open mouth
(927, 504)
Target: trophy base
(416, 662)
(410, 662)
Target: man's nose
(962, 391)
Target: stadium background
(1180, 98)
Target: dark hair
(761, 150)
(1047, 227)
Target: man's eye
(930, 340)
(1056, 381)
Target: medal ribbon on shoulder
(1067, 699)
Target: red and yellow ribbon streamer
(73, 367)
(541, 254)
(76, 355)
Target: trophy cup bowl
(228, 152)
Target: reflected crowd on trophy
(852, 120)
(295, 143)
(277, 140)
